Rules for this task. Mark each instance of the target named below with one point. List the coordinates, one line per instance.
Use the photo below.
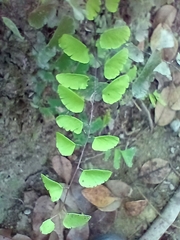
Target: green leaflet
(64, 145)
(70, 99)
(117, 158)
(75, 49)
(66, 25)
(114, 37)
(128, 155)
(132, 73)
(55, 189)
(47, 226)
(73, 220)
(107, 155)
(94, 177)
(73, 81)
(70, 123)
(141, 86)
(12, 26)
(92, 8)
(112, 5)
(114, 65)
(41, 15)
(104, 143)
(114, 91)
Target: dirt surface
(27, 138)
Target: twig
(163, 222)
(148, 115)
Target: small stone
(172, 150)
(175, 125)
(27, 211)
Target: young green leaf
(92, 8)
(104, 143)
(64, 145)
(159, 98)
(114, 65)
(55, 189)
(70, 123)
(47, 226)
(70, 99)
(112, 5)
(12, 26)
(117, 158)
(96, 125)
(73, 220)
(75, 49)
(41, 15)
(128, 155)
(66, 25)
(94, 177)
(152, 99)
(132, 73)
(73, 81)
(107, 155)
(114, 91)
(114, 37)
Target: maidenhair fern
(72, 88)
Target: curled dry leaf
(119, 188)
(42, 211)
(112, 207)
(62, 167)
(79, 233)
(166, 14)
(99, 196)
(134, 208)
(164, 114)
(155, 171)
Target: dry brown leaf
(5, 232)
(163, 114)
(62, 167)
(79, 233)
(119, 188)
(155, 171)
(20, 237)
(168, 54)
(30, 197)
(176, 77)
(134, 208)
(54, 236)
(82, 203)
(101, 222)
(59, 214)
(112, 207)
(163, 40)
(70, 201)
(99, 196)
(174, 101)
(42, 211)
(166, 14)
